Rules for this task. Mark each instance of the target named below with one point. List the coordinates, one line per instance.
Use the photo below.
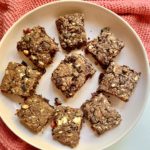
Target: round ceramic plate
(133, 55)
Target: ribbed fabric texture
(135, 12)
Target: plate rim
(131, 29)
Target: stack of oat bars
(71, 74)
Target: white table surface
(139, 137)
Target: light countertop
(139, 137)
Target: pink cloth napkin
(135, 12)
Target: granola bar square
(71, 31)
(100, 114)
(20, 79)
(119, 81)
(72, 73)
(105, 47)
(67, 123)
(35, 113)
(38, 46)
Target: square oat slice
(105, 47)
(20, 79)
(71, 31)
(100, 114)
(119, 81)
(67, 123)
(72, 73)
(38, 46)
(35, 113)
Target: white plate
(133, 55)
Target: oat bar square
(38, 46)
(67, 124)
(105, 47)
(71, 31)
(20, 79)
(119, 81)
(72, 73)
(35, 113)
(100, 114)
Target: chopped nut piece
(24, 106)
(101, 115)
(38, 46)
(72, 73)
(77, 120)
(35, 113)
(68, 123)
(113, 85)
(105, 47)
(26, 52)
(62, 120)
(119, 81)
(60, 132)
(136, 78)
(71, 31)
(33, 57)
(20, 79)
(41, 63)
